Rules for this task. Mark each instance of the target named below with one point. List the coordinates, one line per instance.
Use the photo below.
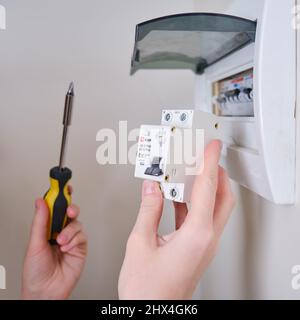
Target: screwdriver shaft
(66, 122)
(63, 147)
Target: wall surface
(47, 44)
(261, 242)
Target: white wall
(261, 242)
(47, 44)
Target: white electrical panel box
(245, 94)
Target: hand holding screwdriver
(51, 272)
(58, 197)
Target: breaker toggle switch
(155, 169)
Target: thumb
(150, 210)
(39, 226)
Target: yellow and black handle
(58, 199)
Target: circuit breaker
(159, 158)
(172, 153)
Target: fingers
(180, 213)
(68, 233)
(205, 186)
(39, 228)
(224, 202)
(71, 236)
(79, 239)
(150, 210)
(73, 211)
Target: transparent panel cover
(189, 41)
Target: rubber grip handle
(58, 199)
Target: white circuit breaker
(159, 158)
(172, 153)
(156, 161)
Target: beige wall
(262, 241)
(47, 44)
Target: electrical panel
(245, 95)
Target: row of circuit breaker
(233, 96)
(236, 96)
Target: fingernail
(148, 187)
(61, 238)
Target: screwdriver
(58, 197)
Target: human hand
(170, 267)
(51, 272)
